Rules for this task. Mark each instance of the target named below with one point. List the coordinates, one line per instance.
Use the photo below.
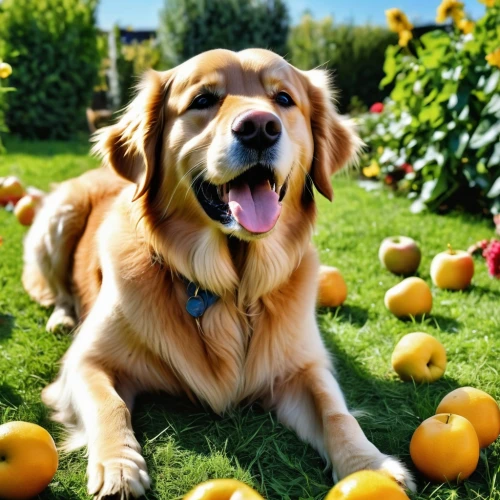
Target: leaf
(436, 38)
(493, 107)
(492, 83)
(430, 113)
(495, 157)
(434, 59)
(432, 95)
(458, 143)
(390, 66)
(458, 101)
(486, 133)
(495, 189)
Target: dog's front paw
(385, 464)
(123, 475)
(397, 471)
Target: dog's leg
(313, 405)
(90, 397)
(47, 255)
(115, 464)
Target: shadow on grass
(483, 290)
(283, 466)
(445, 323)
(355, 315)
(6, 326)
(9, 397)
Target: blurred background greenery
(70, 76)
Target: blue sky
(144, 13)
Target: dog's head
(233, 138)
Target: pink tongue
(256, 210)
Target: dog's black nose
(257, 129)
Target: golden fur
(115, 244)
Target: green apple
(400, 255)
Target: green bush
(5, 72)
(438, 138)
(355, 54)
(188, 27)
(53, 44)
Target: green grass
(185, 445)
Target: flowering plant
(443, 115)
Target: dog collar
(199, 300)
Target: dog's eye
(204, 101)
(283, 99)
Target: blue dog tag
(195, 306)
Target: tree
(188, 27)
(53, 47)
(354, 54)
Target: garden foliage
(188, 27)
(53, 47)
(438, 137)
(5, 72)
(354, 54)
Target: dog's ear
(130, 146)
(335, 141)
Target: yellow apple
(400, 255)
(478, 407)
(220, 489)
(332, 289)
(419, 356)
(28, 460)
(11, 190)
(445, 448)
(25, 209)
(367, 485)
(411, 297)
(452, 269)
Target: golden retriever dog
(186, 262)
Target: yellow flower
(380, 150)
(404, 37)
(450, 8)
(372, 170)
(5, 70)
(494, 58)
(488, 3)
(466, 26)
(397, 21)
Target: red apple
(11, 190)
(452, 269)
(400, 255)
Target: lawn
(184, 445)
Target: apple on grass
(445, 448)
(28, 460)
(332, 288)
(411, 297)
(419, 356)
(25, 209)
(11, 190)
(452, 269)
(400, 254)
(478, 407)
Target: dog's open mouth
(253, 199)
